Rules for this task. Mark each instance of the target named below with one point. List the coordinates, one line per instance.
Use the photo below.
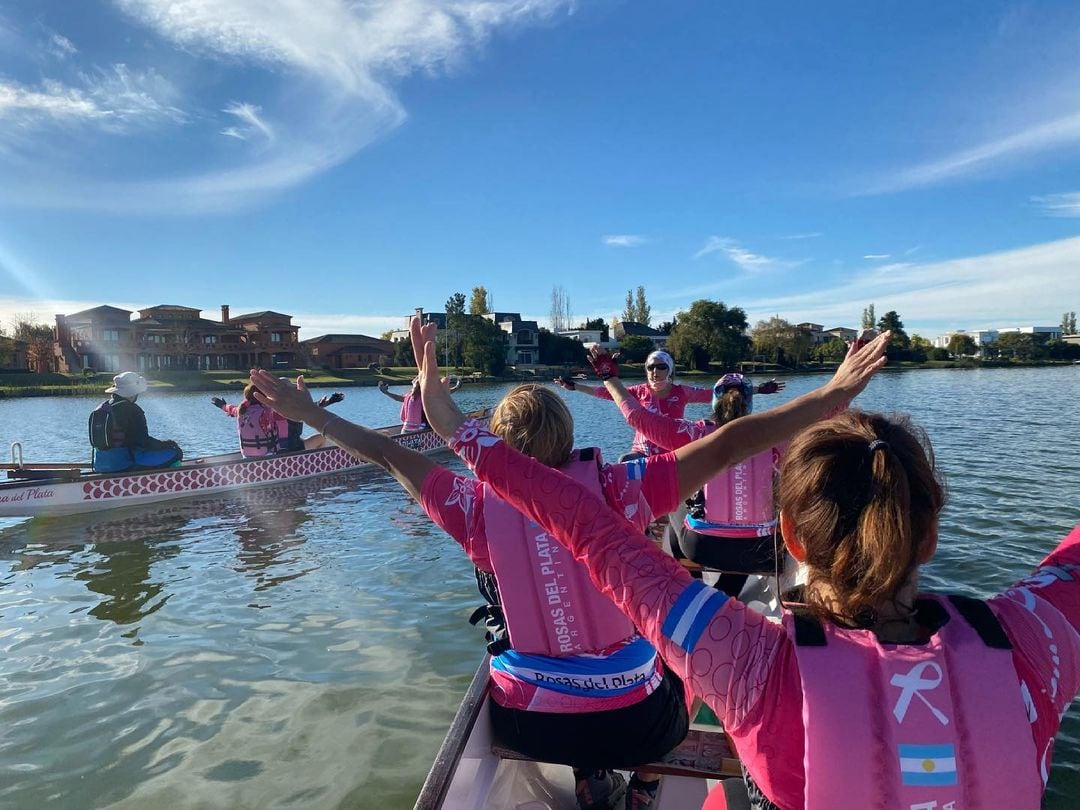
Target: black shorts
(737, 555)
(620, 738)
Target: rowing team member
(412, 408)
(572, 679)
(119, 437)
(658, 394)
(870, 693)
(262, 431)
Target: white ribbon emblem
(913, 684)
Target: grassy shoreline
(26, 384)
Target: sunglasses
(657, 367)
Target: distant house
(586, 336)
(840, 333)
(348, 351)
(437, 318)
(624, 328)
(168, 336)
(522, 338)
(984, 336)
(817, 333)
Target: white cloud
(328, 71)
(814, 235)
(742, 257)
(1049, 135)
(1021, 286)
(1060, 205)
(117, 100)
(61, 47)
(626, 240)
(248, 114)
(877, 256)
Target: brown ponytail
(863, 495)
(730, 406)
(249, 396)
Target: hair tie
(877, 444)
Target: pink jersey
(412, 413)
(742, 665)
(638, 489)
(673, 404)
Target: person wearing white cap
(118, 432)
(659, 394)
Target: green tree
(629, 312)
(900, 343)
(961, 345)
(1018, 346)
(403, 353)
(938, 353)
(642, 310)
(868, 321)
(480, 301)
(39, 342)
(455, 304)
(709, 331)
(782, 342)
(1068, 323)
(635, 348)
(665, 327)
(557, 350)
(453, 335)
(830, 351)
(485, 346)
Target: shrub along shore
(27, 384)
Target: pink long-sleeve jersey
(673, 404)
(741, 664)
(637, 489)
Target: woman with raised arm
(658, 394)
(869, 694)
(412, 408)
(727, 525)
(577, 685)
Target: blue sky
(346, 162)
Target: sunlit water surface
(306, 645)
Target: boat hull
(93, 493)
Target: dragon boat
(48, 489)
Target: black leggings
(620, 738)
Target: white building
(985, 336)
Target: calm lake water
(306, 645)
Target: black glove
(337, 396)
(566, 382)
(218, 402)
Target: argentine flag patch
(635, 470)
(928, 765)
(691, 614)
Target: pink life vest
(258, 427)
(549, 604)
(739, 501)
(412, 414)
(935, 726)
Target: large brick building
(173, 337)
(348, 351)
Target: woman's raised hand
(442, 412)
(291, 401)
(603, 363)
(860, 365)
